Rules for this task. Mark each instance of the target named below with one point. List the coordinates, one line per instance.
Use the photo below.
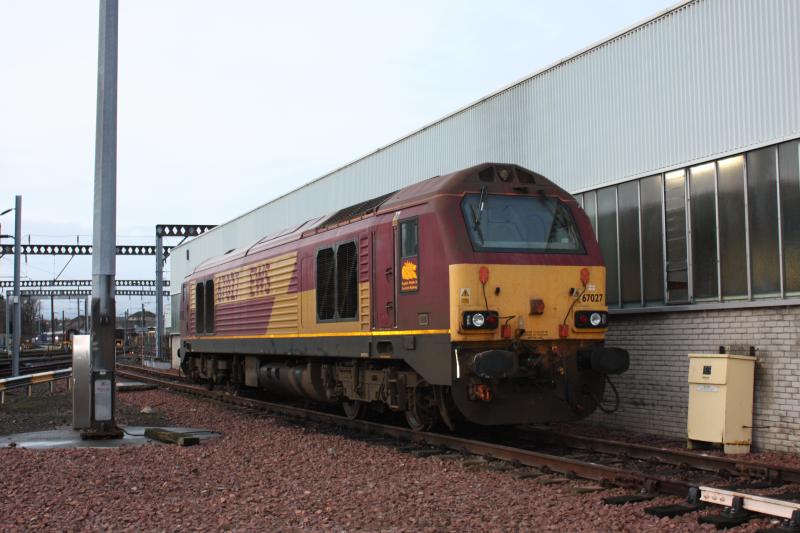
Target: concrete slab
(129, 386)
(66, 437)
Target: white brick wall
(654, 392)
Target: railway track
(643, 468)
(29, 364)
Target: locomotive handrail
(28, 380)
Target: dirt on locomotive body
(478, 296)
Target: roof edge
(583, 51)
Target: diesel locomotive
(477, 295)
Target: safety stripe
(339, 334)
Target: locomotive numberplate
(593, 298)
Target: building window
(579, 199)
(719, 231)
(590, 206)
(762, 200)
(199, 304)
(789, 169)
(732, 227)
(652, 239)
(326, 284)
(347, 280)
(209, 308)
(675, 223)
(607, 237)
(629, 243)
(703, 200)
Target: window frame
(400, 256)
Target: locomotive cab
(527, 304)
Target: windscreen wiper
(476, 217)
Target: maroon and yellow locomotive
(477, 295)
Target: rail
(29, 380)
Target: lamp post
(16, 304)
(102, 356)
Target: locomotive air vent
(354, 211)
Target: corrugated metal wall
(706, 78)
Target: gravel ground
(43, 411)
(264, 474)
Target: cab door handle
(388, 272)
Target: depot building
(679, 137)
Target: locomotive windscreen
(505, 223)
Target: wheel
(422, 411)
(354, 409)
(417, 421)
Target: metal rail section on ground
(29, 380)
(784, 509)
(710, 463)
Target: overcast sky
(226, 105)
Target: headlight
(591, 319)
(480, 320)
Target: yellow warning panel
(465, 295)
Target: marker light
(483, 274)
(478, 320)
(595, 319)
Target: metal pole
(125, 333)
(8, 324)
(144, 332)
(159, 293)
(52, 320)
(104, 231)
(17, 302)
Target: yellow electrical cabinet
(721, 401)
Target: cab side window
(409, 255)
(409, 241)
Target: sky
(223, 106)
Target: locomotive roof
(497, 176)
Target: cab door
(384, 312)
